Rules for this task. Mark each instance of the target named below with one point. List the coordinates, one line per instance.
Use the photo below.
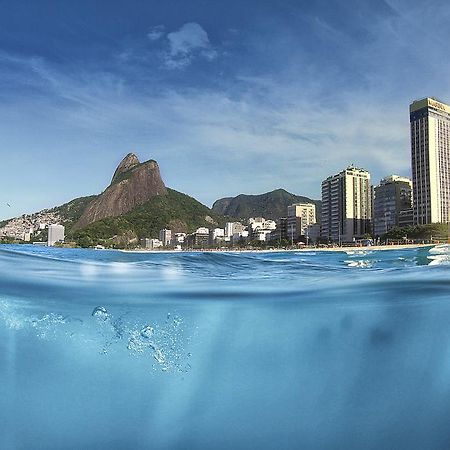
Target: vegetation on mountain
(175, 210)
(271, 205)
(72, 211)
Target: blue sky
(229, 97)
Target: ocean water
(298, 350)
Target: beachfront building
(55, 234)
(391, 197)
(430, 160)
(346, 205)
(232, 228)
(260, 228)
(165, 236)
(151, 244)
(280, 233)
(240, 237)
(178, 239)
(200, 238)
(217, 235)
(299, 217)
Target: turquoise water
(103, 349)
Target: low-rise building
(217, 235)
(240, 238)
(232, 228)
(178, 238)
(165, 236)
(260, 228)
(151, 244)
(200, 238)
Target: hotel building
(430, 160)
(346, 205)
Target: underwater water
(293, 350)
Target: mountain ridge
(270, 205)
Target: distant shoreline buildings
(352, 209)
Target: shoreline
(308, 249)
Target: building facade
(430, 160)
(300, 216)
(346, 205)
(165, 236)
(55, 234)
(391, 197)
(231, 228)
(260, 228)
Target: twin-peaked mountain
(133, 184)
(136, 204)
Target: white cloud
(190, 41)
(156, 33)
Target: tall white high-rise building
(55, 234)
(430, 160)
(346, 205)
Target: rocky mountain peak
(129, 162)
(133, 184)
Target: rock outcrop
(133, 184)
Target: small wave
(439, 260)
(358, 252)
(440, 249)
(363, 263)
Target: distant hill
(271, 205)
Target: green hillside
(176, 211)
(70, 212)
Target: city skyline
(212, 92)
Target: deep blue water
(224, 351)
